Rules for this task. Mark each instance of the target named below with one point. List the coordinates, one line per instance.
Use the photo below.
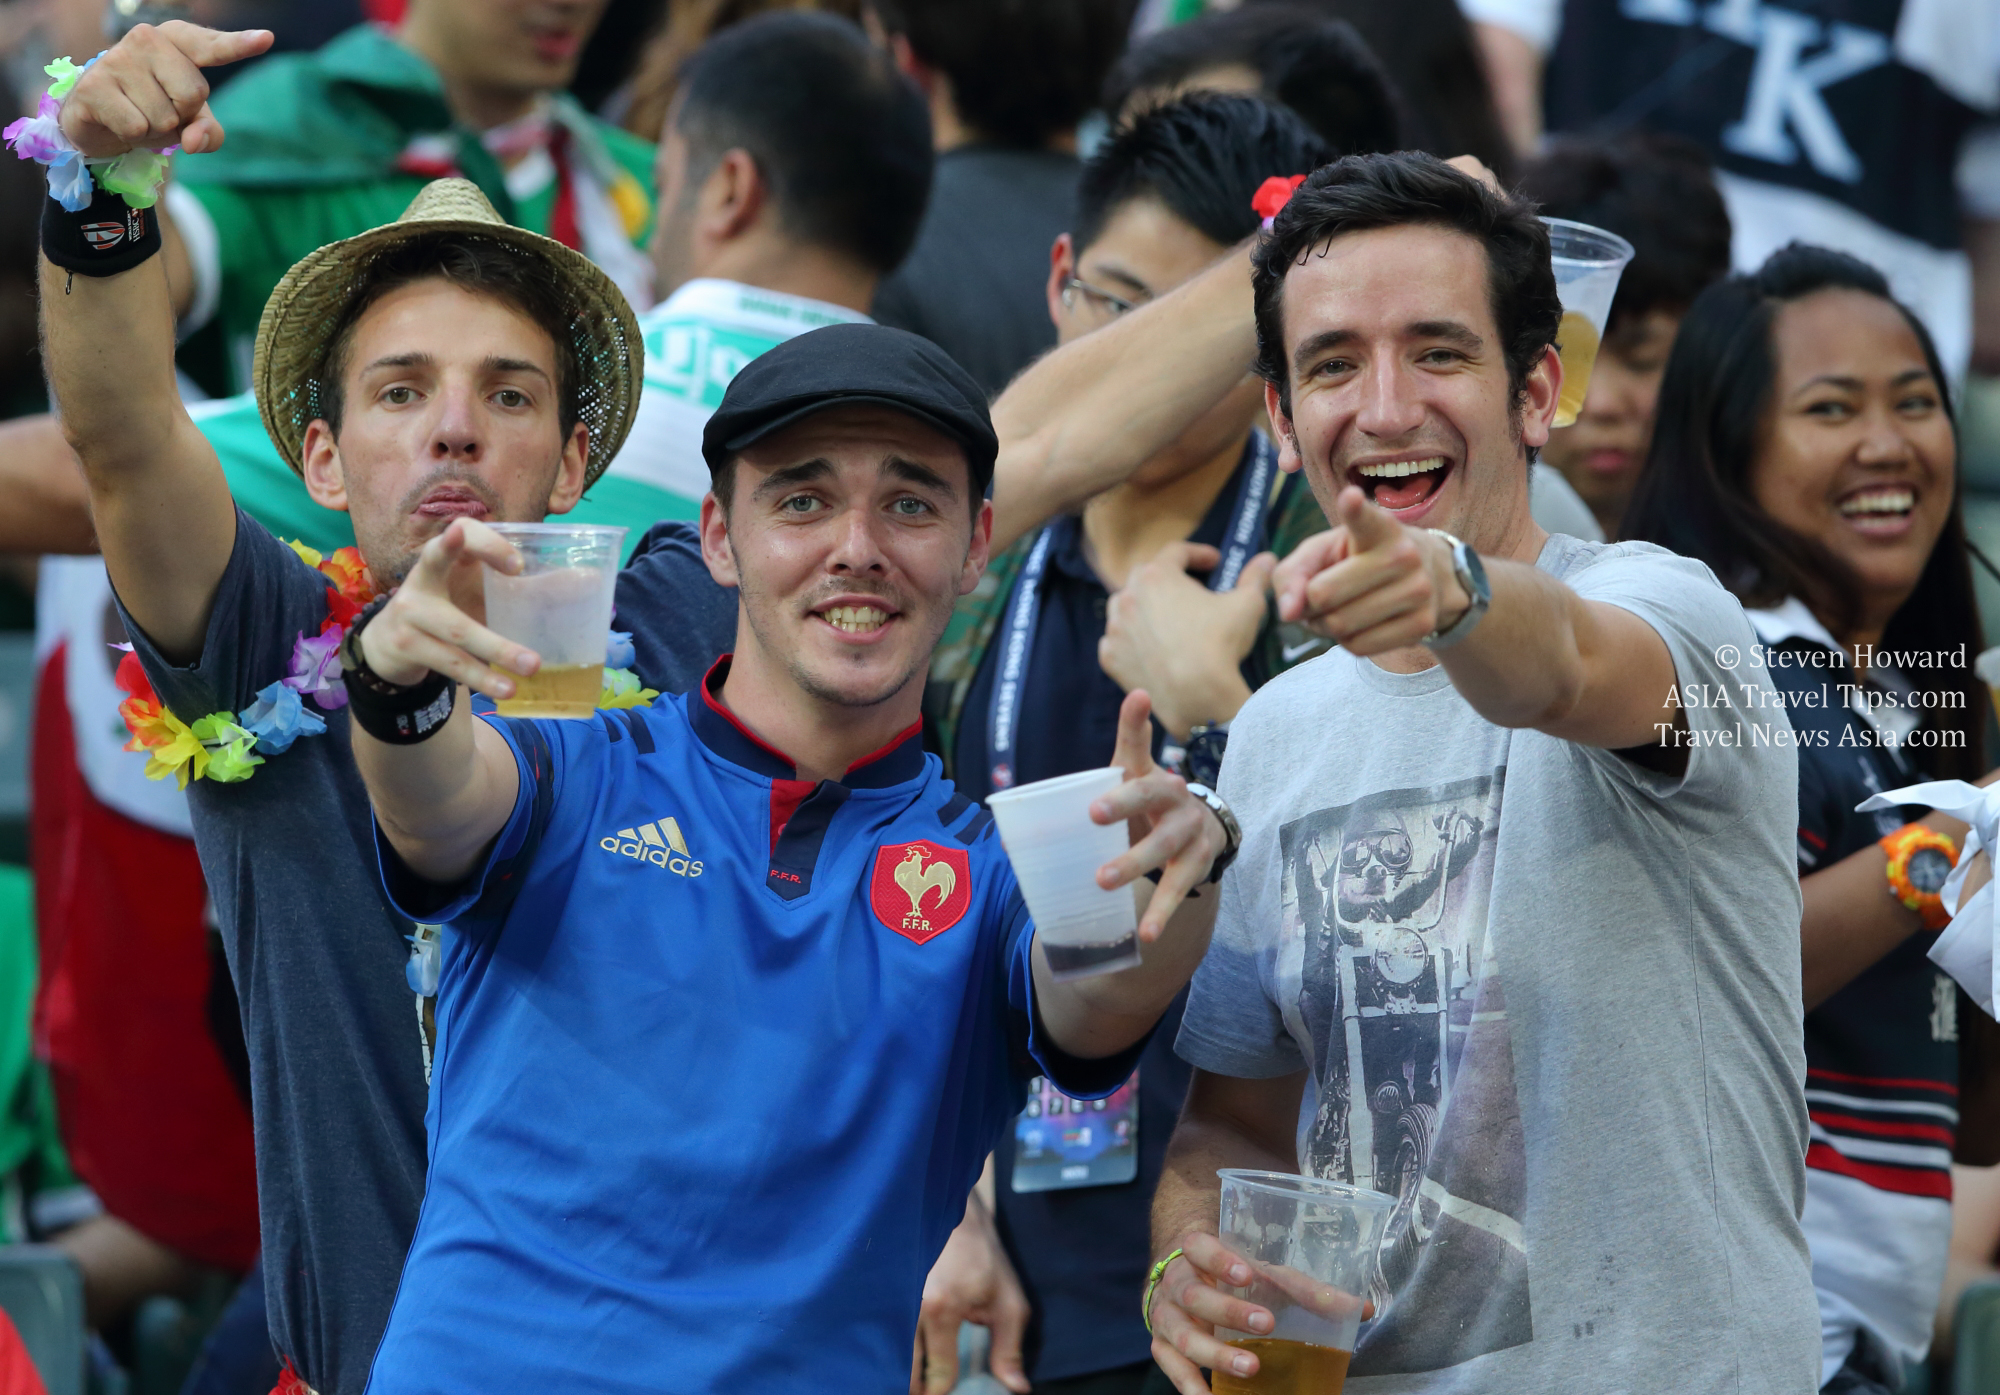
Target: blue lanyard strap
(1240, 542)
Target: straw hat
(306, 310)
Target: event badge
(1061, 1143)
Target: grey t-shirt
(1548, 999)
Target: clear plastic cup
(559, 605)
(1312, 1248)
(1987, 666)
(1056, 850)
(1588, 262)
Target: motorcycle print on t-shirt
(1412, 1066)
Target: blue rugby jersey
(720, 1053)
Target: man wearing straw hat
(444, 366)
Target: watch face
(1927, 870)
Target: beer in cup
(1056, 850)
(559, 605)
(1312, 1249)
(1588, 262)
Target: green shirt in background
(320, 148)
(35, 1176)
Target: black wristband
(406, 716)
(106, 238)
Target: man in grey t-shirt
(1513, 937)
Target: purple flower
(38, 138)
(278, 718)
(316, 669)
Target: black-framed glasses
(1111, 306)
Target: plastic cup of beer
(1588, 262)
(559, 605)
(1987, 666)
(1311, 1246)
(1056, 850)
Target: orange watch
(1920, 859)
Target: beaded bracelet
(135, 176)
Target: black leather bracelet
(104, 239)
(406, 716)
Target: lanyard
(1239, 544)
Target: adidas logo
(659, 843)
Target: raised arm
(164, 518)
(1084, 417)
(440, 800)
(1542, 657)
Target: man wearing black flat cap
(737, 991)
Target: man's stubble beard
(807, 681)
(385, 549)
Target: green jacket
(314, 141)
(1295, 516)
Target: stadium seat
(1975, 1368)
(42, 1291)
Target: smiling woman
(1805, 450)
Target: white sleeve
(204, 252)
(1537, 21)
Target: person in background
(1167, 195)
(328, 144)
(792, 175)
(1292, 54)
(1568, 900)
(1428, 49)
(1827, 124)
(1656, 193)
(1805, 451)
(1975, 1250)
(1008, 81)
(641, 106)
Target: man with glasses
(1166, 197)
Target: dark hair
(842, 138)
(1203, 156)
(1318, 67)
(1657, 193)
(675, 32)
(1694, 495)
(1021, 71)
(1428, 50)
(472, 263)
(1362, 192)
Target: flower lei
(135, 176)
(226, 747)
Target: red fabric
(563, 226)
(1886, 1177)
(151, 1118)
(389, 12)
(18, 1375)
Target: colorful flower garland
(226, 747)
(135, 176)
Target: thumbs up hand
(1369, 583)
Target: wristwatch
(1201, 758)
(1471, 576)
(1920, 859)
(1232, 832)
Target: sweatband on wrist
(404, 717)
(107, 237)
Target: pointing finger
(1370, 527)
(210, 48)
(1134, 752)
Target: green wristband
(1152, 1284)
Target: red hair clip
(1272, 196)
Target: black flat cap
(850, 364)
